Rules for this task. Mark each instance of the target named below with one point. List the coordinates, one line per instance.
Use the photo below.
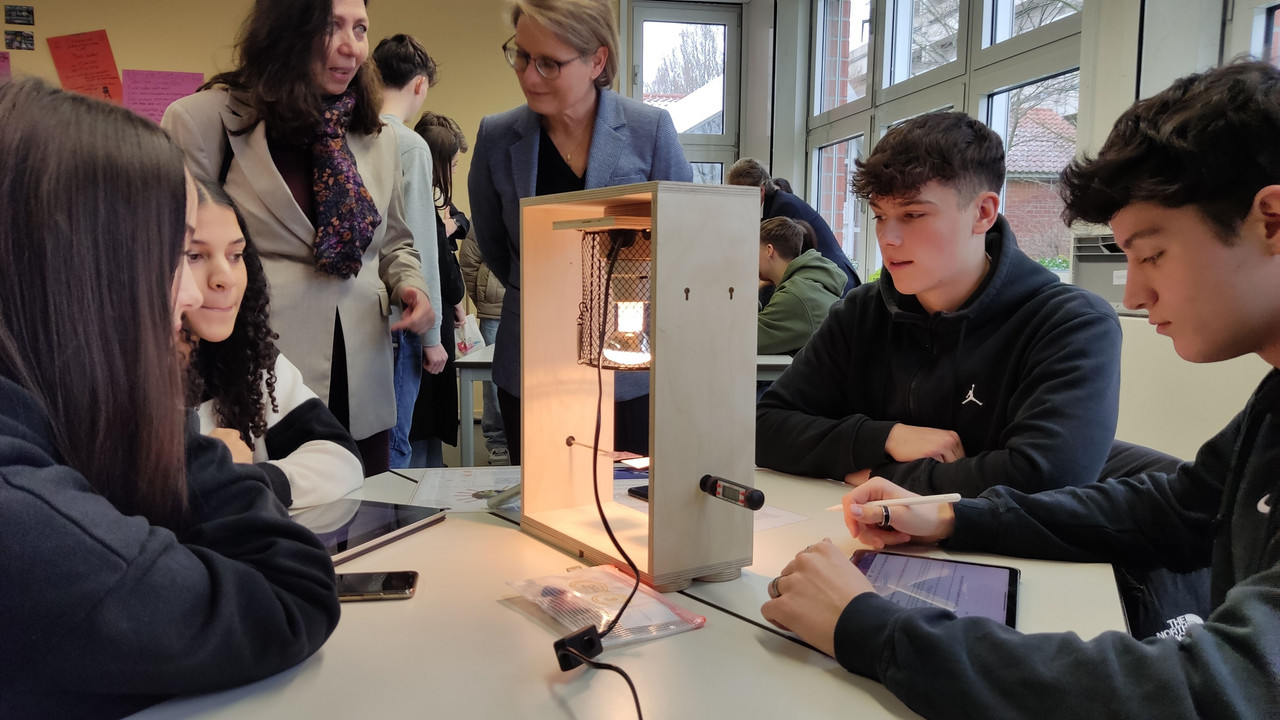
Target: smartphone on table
(398, 585)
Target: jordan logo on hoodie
(970, 398)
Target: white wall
(1170, 404)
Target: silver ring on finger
(773, 588)
(885, 520)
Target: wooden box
(703, 269)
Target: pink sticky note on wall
(149, 92)
(6, 71)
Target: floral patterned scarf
(346, 216)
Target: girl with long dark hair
(435, 414)
(133, 566)
(249, 395)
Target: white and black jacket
(307, 455)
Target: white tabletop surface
(468, 646)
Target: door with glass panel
(686, 60)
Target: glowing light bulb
(628, 345)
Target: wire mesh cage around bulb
(624, 311)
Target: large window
(837, 205)
(1038, 123)
(843, 47)
(1008, 18)
(1271, 37)
(922, 35)
(1011, 63)
(686, 61)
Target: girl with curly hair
(249, 395)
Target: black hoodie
(1027, 372)
(1221, 511)
(103, 614)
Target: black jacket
(1027, 372)
(779, 203)
(1222, 511)
(103, 614)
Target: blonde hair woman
(573, 133)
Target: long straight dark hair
(92, 222)
(445, 139)
(275, 50)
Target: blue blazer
(630, 143)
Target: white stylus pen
(920, 500)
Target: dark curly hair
(950, 147)
(239, 373)
(1208, 141)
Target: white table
(467, 646)
(478, 367)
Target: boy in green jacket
(807, 285)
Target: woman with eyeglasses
(294, 137)
(573, 133)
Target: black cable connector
(585, 641)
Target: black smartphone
(397, 585)
(640, 492)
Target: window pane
(1014, 17)
(835, 203)
(844, 28)
(708, 173)
(684, 66)
(1038, 124)
(923, 37)
(1271, 38)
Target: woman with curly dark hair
(249, 395)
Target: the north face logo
(1178, 626)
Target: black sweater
(1027, 372)
(1222, 511)
(103, 614)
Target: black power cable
(585, 643)
(606, 666)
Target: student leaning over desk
(138, 562)
(967, 364)
(1190, 183)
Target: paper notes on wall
(86, 65)
(149, 92)
(6, 71)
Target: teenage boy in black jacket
(1190, 183)
(967, 364)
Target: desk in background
(467, 647)
(478, 367)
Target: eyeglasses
(546, 67)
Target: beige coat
(304, 301)
(483, 286)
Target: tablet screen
(352, 527)
(964, 588)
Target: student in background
(435, 415)
(486, 292)
(248, 394)
(967, 364)
(807, 286)
(407, 73)
(293, 134)
(775, 202)
(134, 566)
(1190, 182)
